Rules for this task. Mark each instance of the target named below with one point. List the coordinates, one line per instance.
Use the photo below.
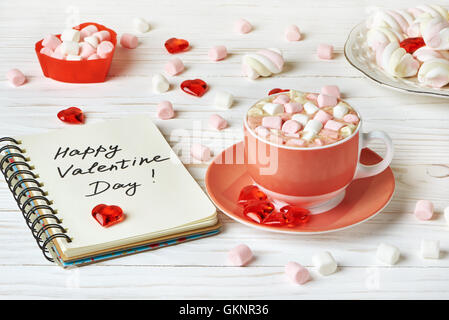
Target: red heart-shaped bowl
(85, 71)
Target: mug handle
(364, 171)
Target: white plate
(362, 58)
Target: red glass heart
(196, 87)
(277, 90)
(174, 45)
(107, 215)
(249, 193)
(275, 219)
(257, 210)
(295, 215)
(412, 44)
(71, 115)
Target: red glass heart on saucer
(106, 215)
(249, 193)
(258, 210)
(72, 115)
(412, 44)
(196, 87)
(295, 215)
(174, 45)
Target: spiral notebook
(58, 177)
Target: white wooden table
(418, 125)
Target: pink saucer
(364, 198)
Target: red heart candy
(72, 115)
(295, 215)
(275, 218)
(249, 193)
(174, 45)
(196, 87)
(412, 44)
(277, 90)
(257, 210)
(107, 215)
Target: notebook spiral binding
(27, 192)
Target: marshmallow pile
(299, 119)
(75, 45)
(426, 27)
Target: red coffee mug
(311, 177)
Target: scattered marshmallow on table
(424, 210)
(292, 33)
(243, 26)
(70, 35)
(129, 41)
(325, 51)
(430, 249)
(325, 263)
(174, 66)
(331, 91)
(326, 101)
(200, 152)
(223, 99)
(297, 273)
(141, 25)
(272, 122)
(105, 48)
(217, 122)
(388, 253)
(240, 256)
(217, 53)
(165, 110)
(340, 110)
(160, 83)
(16, 77)
(273, 108)
(51, 41)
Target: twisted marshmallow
(381, 36)
(426, 53)
(435, 33)
(396, 61)
(434, 73)
(398, 20)
(263, 63)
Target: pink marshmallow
(333, 91)
(291, 126)
(297, 273)
(16, 77)
(200, 152)
(293, 107)
(272, 122)
(295, 142)
(281, 99)
(243, 26)
(89, 30)
(325, 51)
(46, 51)
(262, 131)
(326, 101)
(128, 40)
(292, 135)
(333, 125)
(322, 116)
(102, 35)
(57, 54)
(94, 57)
(217, 122)
(424, 210)
(174, 66)
(292, 33)
(104, 49)
(86, 50)
(318, 142)
(217, 53)
(165, 110)
(351, 118)
(51, 42)
(240, 255)
(331, 134)
(312, 96)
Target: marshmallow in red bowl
(82, 54)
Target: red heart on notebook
(196, 87)
(72, 115)
(107, 215)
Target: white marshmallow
(325, 263)
(93, 41)
(314, 126)
(346, 131)
(160, 83)
(72, 57)
(430, 249)
(387, 253)
(308, 135)
(141, 25)
(446, 215)
(340, 110)
(310, 108)
(273, 108)
(70, 48)
(223, 99)
(301, 118)
(70, 35)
